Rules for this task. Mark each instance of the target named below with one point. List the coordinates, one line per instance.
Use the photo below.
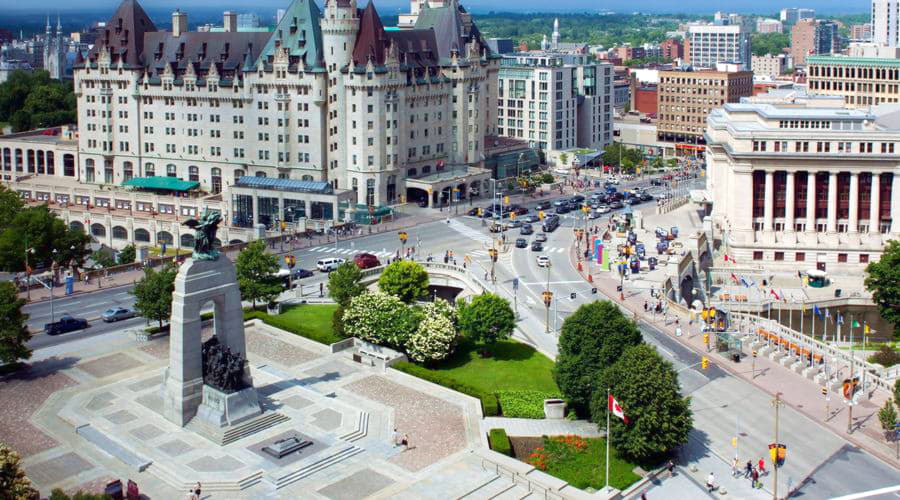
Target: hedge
(524, 403)
(488, 400)
(500, 442)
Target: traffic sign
(515, 283)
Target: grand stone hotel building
(328, 96)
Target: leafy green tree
(646, 387)
(127, 255)
(769, 43)
(433, 340)
(153, 294)
(592, 339)
(40, 230)
(344, 283)
(14, 485)
(897, 392)
(486, 318)
(10, 205)
(381, 318)
(564, 159)
(883, 280)
(547, 178)
(14, 334)
(887, 416)
(256, 273)
(406, 279)
(33, 100)
(103, 258)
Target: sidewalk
(80, 287)
(798, 392)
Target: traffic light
(754, 353)
(706, 338)
(512, 216)
(541, 215)
(704, 362)
(506, 200)
(290, 261)
(480, 212)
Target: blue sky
(692, 6)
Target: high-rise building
(769, 26)
(793, 15)
(804, 185)
(247, 21)
(810, 36)
(687, 97)
(671, 49)
(885, 25)
(708, 45)
(861, 32)
(555, 101)
(861, 81)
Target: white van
(329, 264)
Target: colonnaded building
(804, 184)
(329, 109)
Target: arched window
(260, 173)
(142, 235)
(119, 233)
(187, 240)
(238, 174)
(164, 238)
(7, 159)
(127, 172)
(40, 162)
(193, 174)
(370, 192)
(216, 180)
(171, 170)
(98, 230)
(30, 161)
(89, 172)
(149, 170)
(426, 169)
(51, 163)
(77, 226)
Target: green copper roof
(852, 61)
(300, 32)
(166, 183)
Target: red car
(366, 260)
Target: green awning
(167, 183)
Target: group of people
(750, 471)
(400, 441)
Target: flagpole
(607, 439)
(802, 313)
(825, 320)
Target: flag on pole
(616, 409)
(734, 278)
(745, 282)
(854, 324)
(817, 311)
(866, 328)
(772, 292)
(840, 319)
(827, 313)
(803, 307)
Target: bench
(372, 355)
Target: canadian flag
(616, 409)
(777, 297)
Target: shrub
(547, 178)
(886, 356)
(488, 400)
(433, 340)
(337, 321)
(500, 442)
(523, 404)
(381, 319)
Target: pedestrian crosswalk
(349, 252)
(469, 232)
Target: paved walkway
(523, 427)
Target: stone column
(832, 202)
(895, 203)
(874, 218)
(790, 194)
(854, 202)
(769, 209)
(254, 202)
(810, 201)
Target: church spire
(58, 26)
(48, 24)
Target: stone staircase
(229, 435)
(362, 429)
(310, 468)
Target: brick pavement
(801, 394)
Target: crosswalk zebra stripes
(351, 251)
(468, 232)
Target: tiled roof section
(299, 31)
(415, 48)
(371, 40)
(124, 34)
(453, 29)
(226, 50)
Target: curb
(79, 292)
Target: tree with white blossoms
(435, 338)
(380, 318)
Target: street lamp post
(27, 270)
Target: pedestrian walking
(645, 306)
(197, 490)
(395, 437)
(754, 477)
(762, 467)
(710, 482)
(321, 290)
(748, 469)
(735, 466)
(670, 466)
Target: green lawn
(512, 365)
(587, 467)
(312, 321)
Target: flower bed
(579, 461)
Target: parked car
(536, 246)
(329, 264)
(366, 260)
(603, 209)
(646, 196)
(543, 261)
(543, 205)
(301, 273)
(540, 237)
(576, 199)
(497, 227)
(116, 314)
(526, 229)
(594, 214)
(65, 324)
(521, 243)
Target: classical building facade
(804, 185)
(327, 96)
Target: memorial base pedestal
(220, 409)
